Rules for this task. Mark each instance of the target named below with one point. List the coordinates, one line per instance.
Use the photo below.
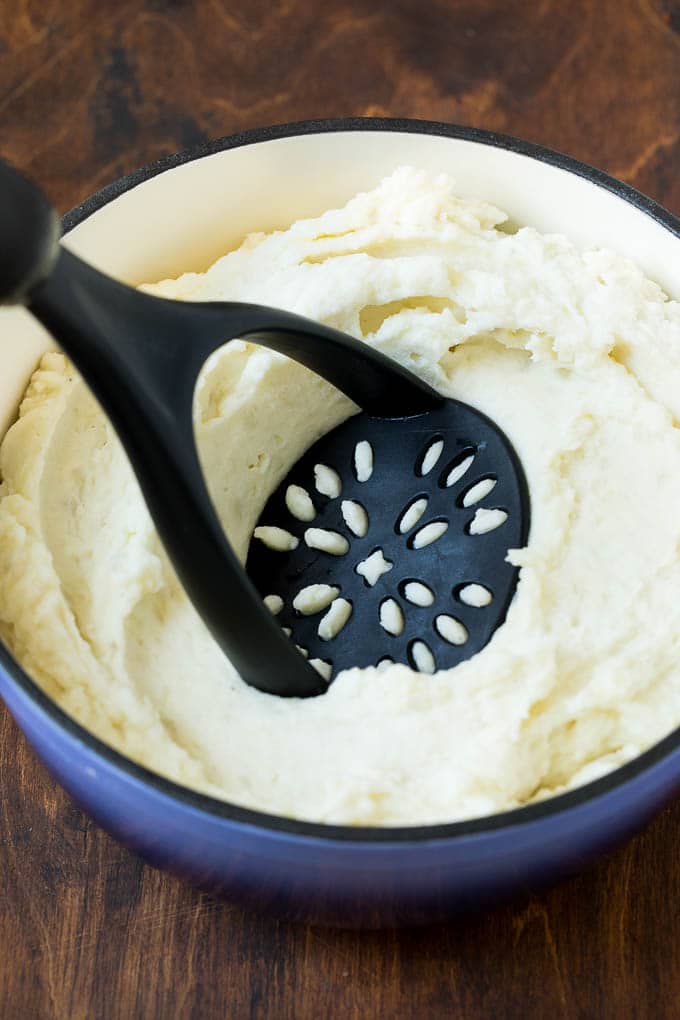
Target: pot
(180, 214)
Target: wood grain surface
(90, 89)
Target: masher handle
(141, 356)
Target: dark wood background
(90, 89)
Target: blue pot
(334, 874)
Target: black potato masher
(386, 541)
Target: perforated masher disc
(387, 541)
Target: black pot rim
(317, 831)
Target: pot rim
(319, 831)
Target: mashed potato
(573, 353)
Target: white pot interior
(186, 217)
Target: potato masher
(387, 541)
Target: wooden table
(90, 89)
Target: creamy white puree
(576, 356)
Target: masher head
(388, 540)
